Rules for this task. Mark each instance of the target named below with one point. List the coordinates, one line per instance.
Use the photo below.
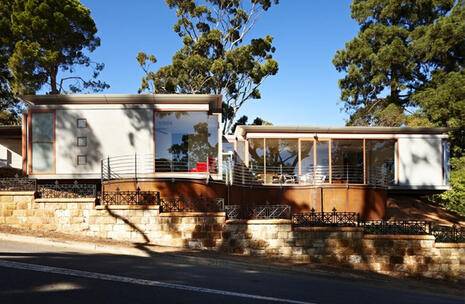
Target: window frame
(31, 141)
(81, 137)
(218, 139)
(80, 120)
(80, 156)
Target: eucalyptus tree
(217, 57)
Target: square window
(82, 160)
(82, 123)
(82, 141)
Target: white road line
(129, 280)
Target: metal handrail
(239, 173)
(145, 165)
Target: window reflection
(347, 161)
(42, 142)
(322, 162)
(380, 160)
(256, 160)
(186, 142)
(281, 161)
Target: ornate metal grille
(334, 218)
(74, 190)
(454, 234)
(271, 212)
(137, 197)
(396, 227)
(181, 204)
(17, 184)
(233, 212)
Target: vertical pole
(101, 170)
(135, 166)
(108, 168)
(364, 162)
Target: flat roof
(243, 130)
(10, 131)
(215, 101)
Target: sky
(307, 33)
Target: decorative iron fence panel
(17, 184)
(271, 212)
(334, 218)
(396, 227)
(446, 234)
(137, 197)
(181, 204)
(74, 190)
(233, 212)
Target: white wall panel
(109, 132)
(420, 162)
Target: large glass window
(186, 142)
(43, 134)
(256, 157)
(307, 158)
(347, 161)
(380, 160)
(281, 160)
(322, 161)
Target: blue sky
(306, 36)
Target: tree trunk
(53, 80)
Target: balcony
(146, 166)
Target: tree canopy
(215, 58)
(407, 67)
(43, 41)
(404, 48)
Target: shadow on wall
(129, 223)
(420, 157)
(66, 124)
(141, 118)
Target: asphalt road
(44, 274)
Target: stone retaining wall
(399, 255)
(139, 224)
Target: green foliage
(42, 38)
(401, 46)
(407, 67)
(215, 58)
(241, 121)
(454, 199)
(8, 115)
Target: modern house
(174, 144)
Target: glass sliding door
(307, 162)
(380, 160)
(257, 158)
(281, 161)
(42, 142)
(322, 171)
(186, 142)
(347, 161)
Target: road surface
(32, 273)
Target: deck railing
(237, 173)
(139, 166)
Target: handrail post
(108, 167)
(135, 166)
